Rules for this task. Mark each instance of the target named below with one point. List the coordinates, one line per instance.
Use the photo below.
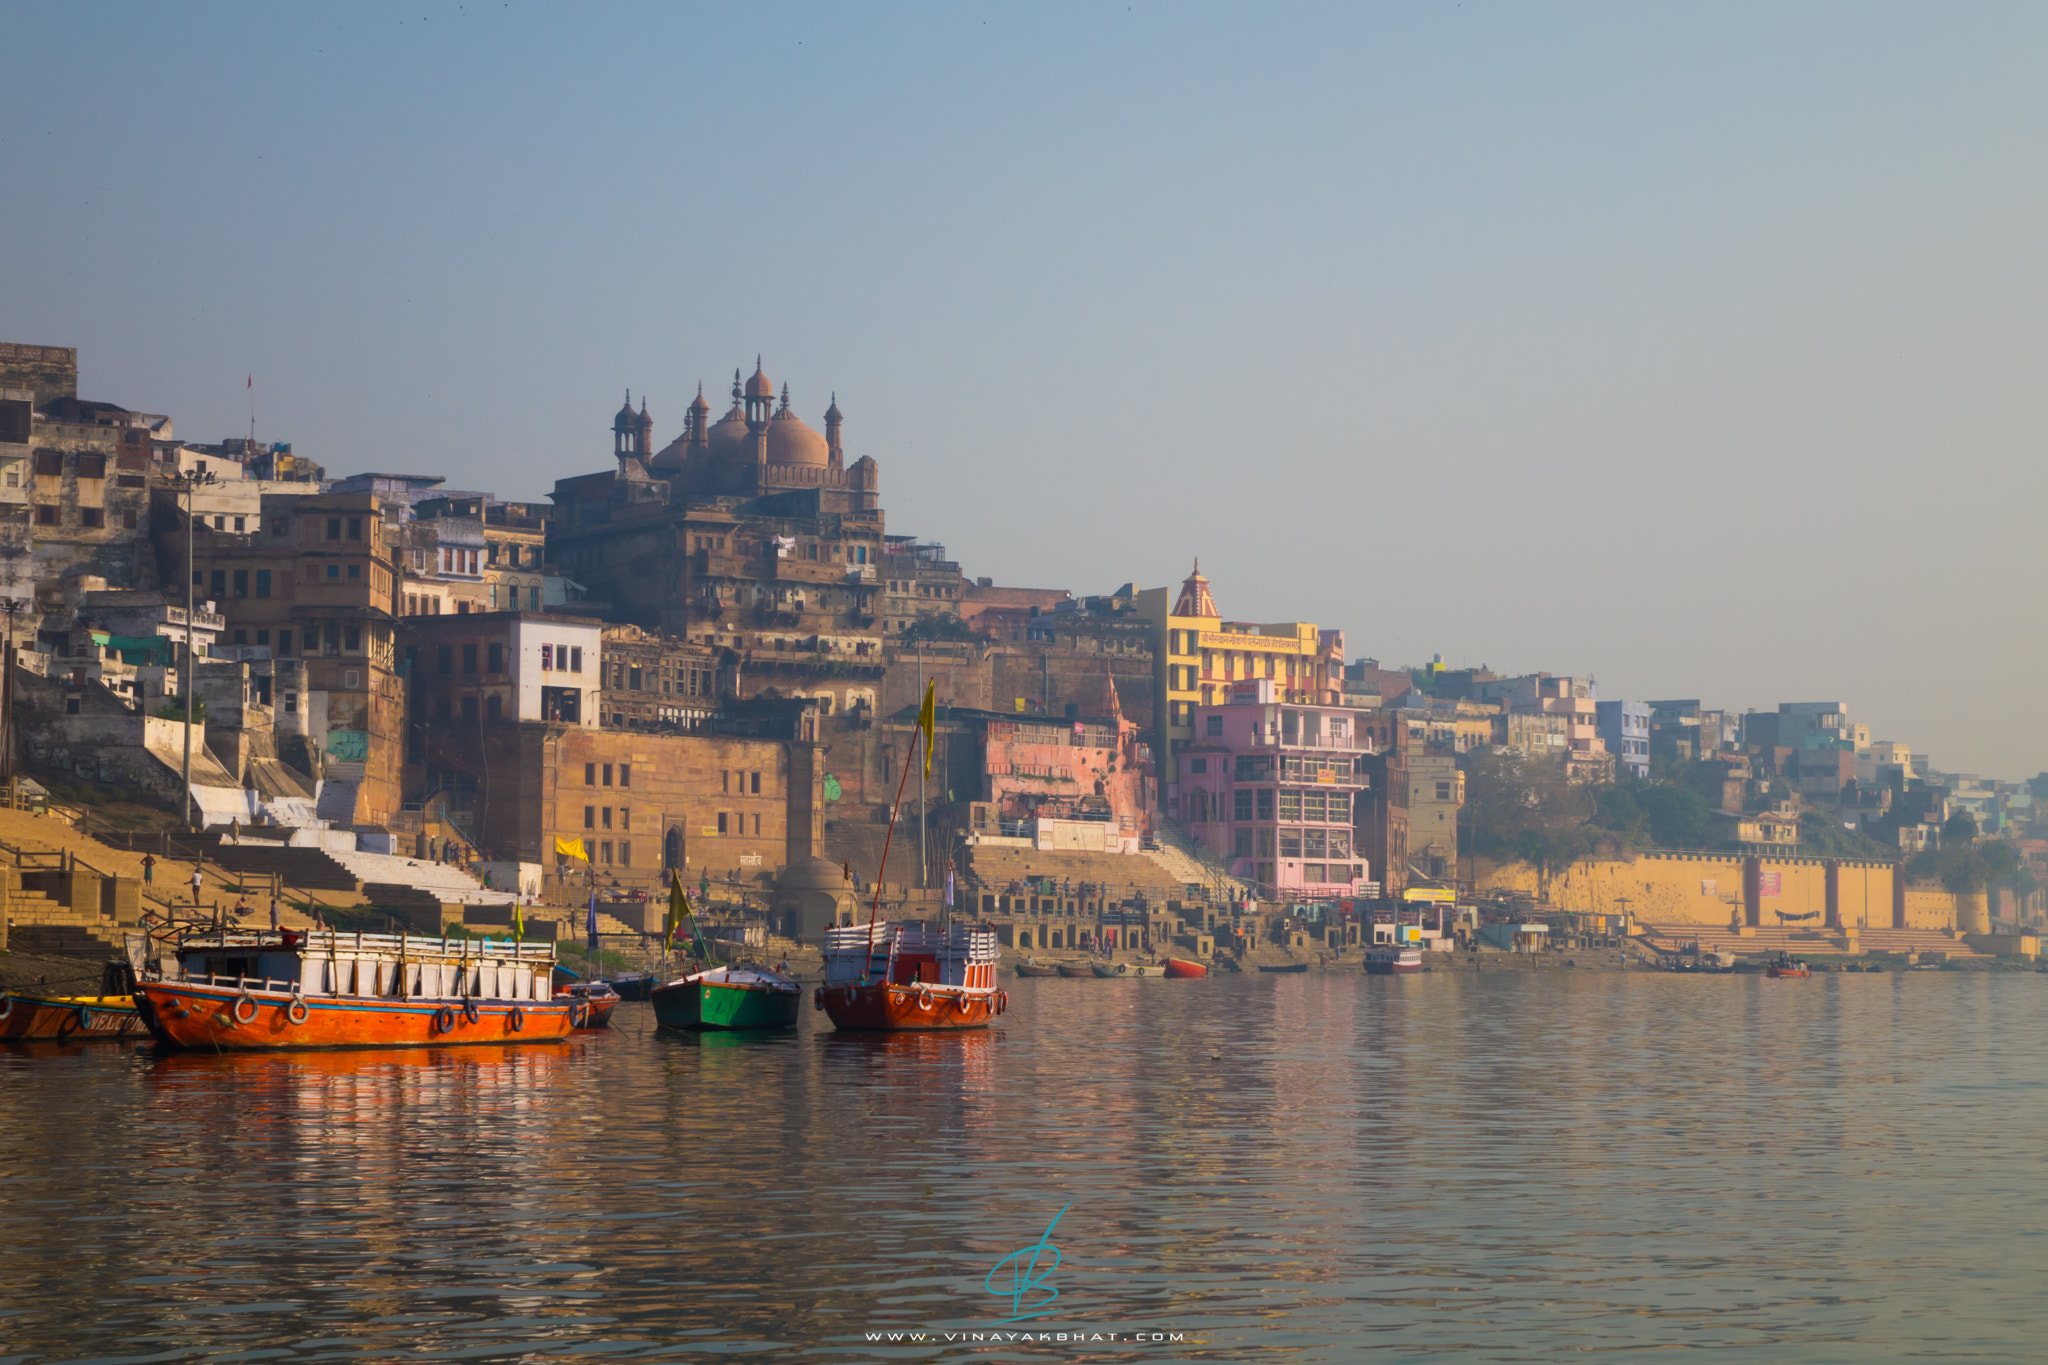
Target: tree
(1960, 828)
(938, 628)
(1525, 809)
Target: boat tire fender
(817, 999)
(85, 1017)
(924, 998)
(444, 1019)
(963, 1004)
(6, 1005)
(516, 1020)
(469, 1009)
(1002, 1002)
(578, 1012)
(244, 999)
(297, 1012)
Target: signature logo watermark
(1026, 1278)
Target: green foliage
(1960, 828)
(172, 710)
(1823, 836)
(1975, 865)
(938, 628)
(1525, 809)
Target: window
(497, 658)
(334, 570)
(241, 637)
(49, 464)
(757, 784)
(263, 582)
(1198, 765)
(1265, 803)
(607, 774)
(355, 528)
(725, 781)
(1241, 804)
(590, 817)
(127, 516)
(291, 703)
(334, 528)
(1312, 806)
(469, 710)
(1314, 843)
(262, 637)
(721, 822)
(284, 642)
(355, 571)
(1340, 807)
(757, 824)
(575, 659)
(1340, 843)
(1241, 843)
(240, 523)
(547, 658)
(353, 641)
(604, 852)
(494, 709)
(625, 817)
(605, 817)
(625, 854)
(1290, 805)
(219, 584)
(469, 658)
(46, 514)
(91, 516)
(444, 658)
(1443, 791)
(1214, 729)
(241, 582)
(14, 421)
(533, 598)
(625, 774)
(1290, 843)
(92, 465)
(633, 679)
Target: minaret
(643, 431)
(624, 426)
(759, 398)
(832, 421)
(697, 430)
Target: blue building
(1625, 725)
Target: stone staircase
(1812, 942)
(1179, 855)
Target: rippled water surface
(1290, 1168)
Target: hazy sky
(1699, 349)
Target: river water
(1277, 1168)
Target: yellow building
(1197, 656)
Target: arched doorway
(672, 849)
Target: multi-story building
(1198, 657)
(918, 582)
(752, 533)
(469, 552)
(1270, 789)
(1436, 793)
(1884, 763)
(1625, 729)
(480, 668)
(314, 579)
(653, 681)
(87, 478)
(1574, 700)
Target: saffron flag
(678, 906)
(518, 922)
(571, 848)
(926, 719)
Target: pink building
(1272, 790)
(1095, 770)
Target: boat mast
(875, 905)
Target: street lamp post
(186, 484)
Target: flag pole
(875, 906)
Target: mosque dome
(728, 434)
(791, 440)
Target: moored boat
(27, 1017)
(1036, 969)
(1393, 961)
(598, 997)
(270, 989)
(634, 985)
(1077, 969)
(895, 976)
(1146, 969)
(1182, 968)
(1110, 969)
(1287, 967)
(728, 998)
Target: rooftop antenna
(250, 450)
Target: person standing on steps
(196, 880)
(149, 867)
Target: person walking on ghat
(149, 867)
(273, 912)
(196, 879)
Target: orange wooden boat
(242, 989)
(1181, 967)
(1793, 971)
(895, 977)
(68, 1018)
(599, 999)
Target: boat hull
(222, 1017)
(1393, 962)
(69, 1018)
(1031, 969)
(1788, 973)
(1184, 970)
(877, 1007)
(1287, 967)
(598, 1013)
(715, 1005)
(1068, 969)
(634, 987)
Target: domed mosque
(761, 446)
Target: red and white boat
(1393, 960)
(894, 976)
(1181, 967)
(270, 990)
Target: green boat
(728, 998)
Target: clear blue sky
(1699, 349)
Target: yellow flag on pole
(927, 718)
(571, 848)
(518, 922)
